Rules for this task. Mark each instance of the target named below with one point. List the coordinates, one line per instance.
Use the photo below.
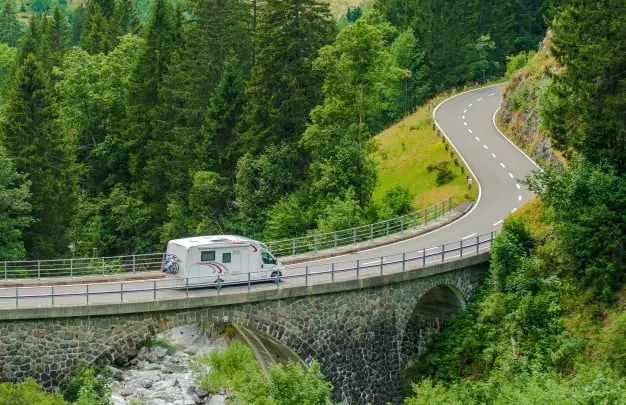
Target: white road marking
(519, 198)
(493, 155)
(317, 260)
(511, 175)
(465, 123)
(477, 138)
(503, 166)
(470, 104)
(492, 94)
(478, 99)
(498, 223)
(463, 116)
(470, 131)
(518, 186)
(469, 236)
(513, 210)
(485, 146)
(464, 111)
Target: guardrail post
(87, 294)
(387, 228)
(461, 254)
(335, 238)
(424, 258)
(187, 286)
(71, 267)
(249, 282)
(401, 224)
(435, 213)
(278, 279)
(381, 265)
(38, 268)
(425, 215)
(103, 266)
(314, 243)
(293, 246)
(122, 292)
(52, 295)
(306, 275)
(491, 239)
(332, 272)
(219, 286)
(17, 297)
(5, 271)
(477, 243)
(415, 219)
(403, 261)
(371, 231)
(450, 203)
(354, 236)
(357, 268)
(443, 253)
(134, 263)
(154, 290)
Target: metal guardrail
(352, 236)
(154, 290)
(80, 266)
(93, 266)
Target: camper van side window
(207, 256)
(225, 257)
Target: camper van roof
(210, 239)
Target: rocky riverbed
(160, 373)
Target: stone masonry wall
(355, 335)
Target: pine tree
(283, 87)
(94, 37)
(31, 136)
(55, 39)
(31, 43)
(123, 20)
(10, 27)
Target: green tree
(14, 209)
(584, 107)
(7, 67)
(10, 26)
(283, 87)
(94, 37)
(56, 37)
(358, 76)
(31, 43)
(28, 392)
(31, 135)
(123, 21)
(481, 64)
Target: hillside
(519, 116)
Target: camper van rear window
(208, 256)
(225, 257)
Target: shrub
(517, 62)
(444, 173)
(87, 386)
(27, 393)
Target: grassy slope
(404, 152)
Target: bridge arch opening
(431, 315)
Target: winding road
(467, 120)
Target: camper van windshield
(268, 258)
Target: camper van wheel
(219, 280)
(280, 274)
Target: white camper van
(220, 258)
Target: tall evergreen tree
(56, 37)
(123, 20)
(30, 134)
(284, 88)
(31, 43)
(94, 37)
(10, 27)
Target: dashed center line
(485, 146)
(478, 99)
(492, 94)
(463, 116)
(465, 123)
(464, 111)
(518, 186)
(513, 210)
(470, 130)
(502, 164)
(477, 138)
(498, 223)
(470, 104)
(493, 155)
(519, 198)
(511, 175)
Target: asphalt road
(466, 119)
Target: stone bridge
(360, 331)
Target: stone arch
(430, 315)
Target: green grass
(406, 149)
